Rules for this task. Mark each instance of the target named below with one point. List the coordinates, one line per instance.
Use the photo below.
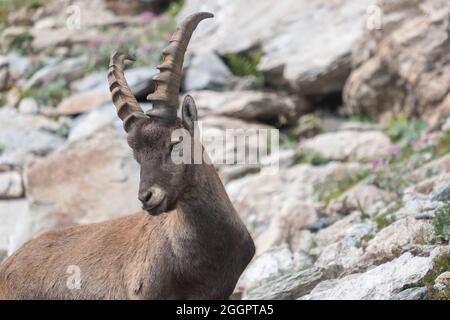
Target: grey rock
(99, 164)
(420, 293)
(69, 69)
(270, 264)
(28, 106)
(139, 80)
(11, 185)
(17, 64)
(381, 282)
(349, 145)
(250, 105)
(260, 197)
(441, 193)
(207, 71)
(442, 282)
(296, 37)
(288, 286)
(21, 135)
(11, 213)
(399, 66)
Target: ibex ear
(189, 113)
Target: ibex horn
(128, 109)
(165, 96)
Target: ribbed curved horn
(165, 96)
(128, 109)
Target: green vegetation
(403, 131)
(7, 6)
(2, 100)
(243, 65)
(441, 224)
(20, 43)
(441, 264)
(333, 188)
(385, 218)
(360, 117)
(2, 148)
(442, 146)
(175, 7)
(361, 243)
(304, 155)
(145, 44)
(50, 94)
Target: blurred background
(359, 90)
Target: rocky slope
(360, 205)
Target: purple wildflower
(393, 150)
(377, 162)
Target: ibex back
(187, 243)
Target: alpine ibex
(187, 243)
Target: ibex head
(150, 133)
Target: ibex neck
(206, 201)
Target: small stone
(441, 193)
(11, 185)
(82, 102)
(442, 282)
(208, 71)
(420, 293)
(28, 106)
(288, 286)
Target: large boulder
(250, 105)
(381, 282)
(295, 37)
(260, 197)
(403, 66)
(207, 71)
(21, 135)
(88, 180)
(12, 214)
(349, 145)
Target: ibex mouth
(156, 209)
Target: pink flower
(377, 162)
(45, 79)
(147, 15)
(394, 150)
(426, 139)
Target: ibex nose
(145, 196)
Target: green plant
(49, 94)
(360, 117)
(2, 148)
(20, 42)
(441, 224)
(441, 264)
(333, 188)
(145, 44)
(442, 146)
(243, 65)
(304, 155)
(386, 218)
(2, 100)
(7, 6)
(364, 240)
(403, 130)
(175, 7)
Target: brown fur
(193, 245)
